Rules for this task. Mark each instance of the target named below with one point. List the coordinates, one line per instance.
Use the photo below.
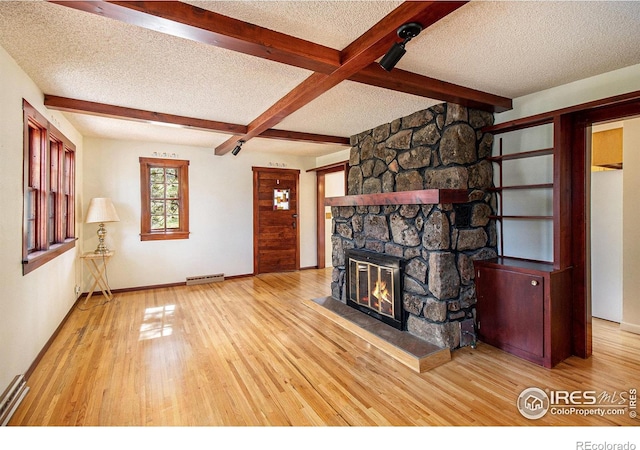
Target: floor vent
(11, 398)
(216, 278)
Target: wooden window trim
(39, 258)
(63, 237)
(146, 234)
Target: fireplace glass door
(373, 287)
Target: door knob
(534, 282)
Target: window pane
(173, 222)
(64, 210)
(172, 191)
(157, 175)
(157, 191)
(51, 226)
(50, 229)
(31, 204)
(68, 164)
(172, 175)
(53, 163)
(173, 207)
(157, 222)
(31, 210)
(35, 134)
(157, 208)
(31, 236)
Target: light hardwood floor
(247, 351)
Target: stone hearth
(442, 147)
(413, 352)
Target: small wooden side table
(97, 265)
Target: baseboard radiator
(11, 398)
(216, 278)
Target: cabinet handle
(534, 282)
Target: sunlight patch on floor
(157, 322)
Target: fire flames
(380, 292)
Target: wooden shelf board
(523, 186)
(522, 155)
(419, 197)
(616, 166)
(518, 263)
(522, 217)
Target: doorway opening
(330, 182)
(606, 246)
(334, 187)
(621, 289)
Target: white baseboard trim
(630, 327)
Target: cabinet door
(510, 310)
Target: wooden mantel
(420, 197)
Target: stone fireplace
(443, 148)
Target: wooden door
(276, 236)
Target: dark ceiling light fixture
(406, 32)
(237, 148)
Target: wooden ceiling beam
(120, 112)
(355, 57)
(423, 86)
(200, 25)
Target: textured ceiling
(507, 48)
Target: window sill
(164, 236)
(37, 259)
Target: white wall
(333, 158)
(31, 306)
(589, 89)
(220, 204)
(606, 245)
(601, 86)
(630, 228)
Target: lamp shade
(101, 210)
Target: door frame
(320, 197)
(256, 213)
(606, 110)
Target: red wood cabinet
(524, 308)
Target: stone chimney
(442, 147)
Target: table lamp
(101, 210)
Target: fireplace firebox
(374, 285)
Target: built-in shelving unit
(500, 188)
(524, 305)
